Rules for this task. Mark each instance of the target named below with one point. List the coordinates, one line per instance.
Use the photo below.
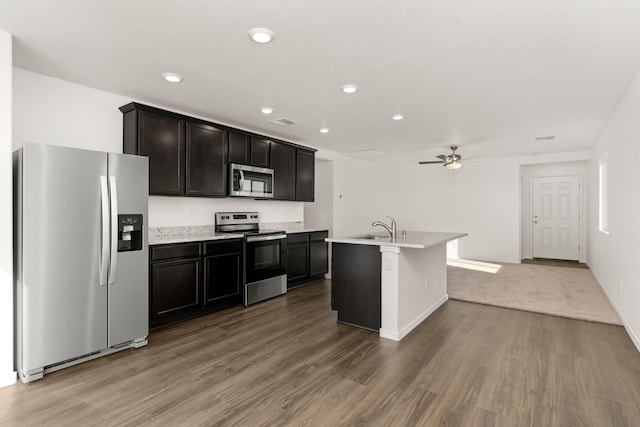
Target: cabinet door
(205, 167)
(239, 148)
(260, 152)
(305, 171)
(175, 286)
(355, 284)
(318, 258)
(222, 277)
(297, 261)
(161, 138)
(283, 163)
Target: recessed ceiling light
(349, 88)
(397, 117)
(266, 110)
(324, 130)
(261, 35)
(172, 77)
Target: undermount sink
(371, 237)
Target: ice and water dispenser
(129, 232)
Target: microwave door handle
(241, 180)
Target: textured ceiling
(487, 76)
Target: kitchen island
(386, 285)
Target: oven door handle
(252, 239)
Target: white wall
(53, 111)
(175, 211)
(7, 373)
(528, 172)
(319, 214)
(361, 192)
(481, 199)
(614, 257)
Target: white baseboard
(634, 338)
(8, 378)
(398, 335)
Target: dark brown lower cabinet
(307, 257)
(176, 286)
(356, 284)
(222, 272)
(192, 279)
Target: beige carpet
(560, 291)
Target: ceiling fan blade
(441, 156)
(472, 157)
(429, 163)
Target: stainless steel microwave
(250, 181)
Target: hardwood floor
(287, 362)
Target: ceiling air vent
(545, 138)
(282, 122)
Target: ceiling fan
(451, 161)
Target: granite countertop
(199, 233)
(184, 238)
(196, 233)
(306, 230)
(413, 239)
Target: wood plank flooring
(287, 362)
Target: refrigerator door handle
(104, 253)
(113, 265)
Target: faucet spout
(391, 229)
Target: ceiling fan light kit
(451, 161)
(453, 165)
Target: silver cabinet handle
(104, 253)
(113, 266)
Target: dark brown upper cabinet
(189, 156)
(161, 138)
(206, 153)
(283, 163)
(239, 148)
(305, 172)
(260, 152)
(248, 150)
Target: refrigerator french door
(81, 255)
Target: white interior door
(556, 217)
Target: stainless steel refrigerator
(81, 256)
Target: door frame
(546, 170)
(532, 204)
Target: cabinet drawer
(297, 238)
(180, 250)
(318, 236)
(222, 247)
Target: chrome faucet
(391, 230)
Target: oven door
(265, 257)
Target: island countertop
(413, 239)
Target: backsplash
(196, 211)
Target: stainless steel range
(265, 273)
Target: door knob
(535, 222)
